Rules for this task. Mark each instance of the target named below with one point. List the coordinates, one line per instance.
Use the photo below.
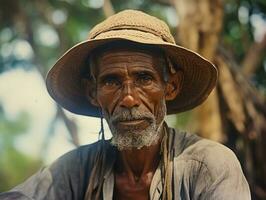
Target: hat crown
(133, 20)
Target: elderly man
(131, 72)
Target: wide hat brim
(64, 79)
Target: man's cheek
(159, 104)
(155, 92)
(153, 97)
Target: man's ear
(174, 85)
(90, 91)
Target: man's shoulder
(192, 148)
(81, 155)
(70, 172)
(212, 155)
(201, 149)
(213, 167)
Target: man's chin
(135, 139)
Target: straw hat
(64, 79)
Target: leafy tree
(13, 173)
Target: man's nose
(129, 96)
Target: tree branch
(26, 24)
(70, 125)
(108, 8)
(253, 57)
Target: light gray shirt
(202, 169)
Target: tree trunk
(234, 113)
(199, 30)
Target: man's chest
(124, 188)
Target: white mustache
(131, 114)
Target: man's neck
(137, 163)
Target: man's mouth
(132, 124)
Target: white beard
(136, 138)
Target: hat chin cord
(97, 172)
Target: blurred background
(34, 131)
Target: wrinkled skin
(131, 92)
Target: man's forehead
(124, 51)
(120, 58)
(127, 55)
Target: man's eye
(144, 79)
(110, 82)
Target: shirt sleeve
(50, 183)
(13, 196)
(220, 176)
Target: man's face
(131, 93)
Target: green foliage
(185, 120)
(13, 173)
(10, 128)
(238, 33)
